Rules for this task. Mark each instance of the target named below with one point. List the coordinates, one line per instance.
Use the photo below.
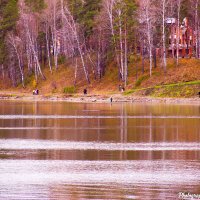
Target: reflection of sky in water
(123, 175)
(125, 172)
(13, 144)
(93, 117)
(98, 151)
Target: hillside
(181, 81)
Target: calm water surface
(61, 151)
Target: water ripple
(25, 144)
(93, 117)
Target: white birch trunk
(54, 37)
(75, 72)
(72, 25)
(178, 33)
(164, 35)
(196, 28)
(121, 46)
(125, 57)
(149, 36)
(109, 10)
(12, 42)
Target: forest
(36, 35)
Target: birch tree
(164, 5)
(197, 28)
(121, 19)
(16, 43)
(109, 8)
(53, 27)
(73, 27)
(147, 18)
(28, 22)
(195, 8)
(9, 14)
(164, 13)
(178, 31)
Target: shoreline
(117, 98)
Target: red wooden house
(186, 40)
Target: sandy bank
(117, 98)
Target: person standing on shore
(85, 91)
(120, 88)
(111, 100)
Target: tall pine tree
(84, 13)
(9, 16)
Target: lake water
(61, 151)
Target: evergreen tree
(90, 9)
(9, 16)
(36, 5)
(84, 13)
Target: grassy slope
(181, 81)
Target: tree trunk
(47, 47)
(196, 28)
(163, 36)
(121, 47)
(125, 57)
(3, 73)
(178, 34)
(149, 38)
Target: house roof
(171, 20)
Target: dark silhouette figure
(36, 92)
(199, 94)
(111, 100)
(85, 91)
(120, 88)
